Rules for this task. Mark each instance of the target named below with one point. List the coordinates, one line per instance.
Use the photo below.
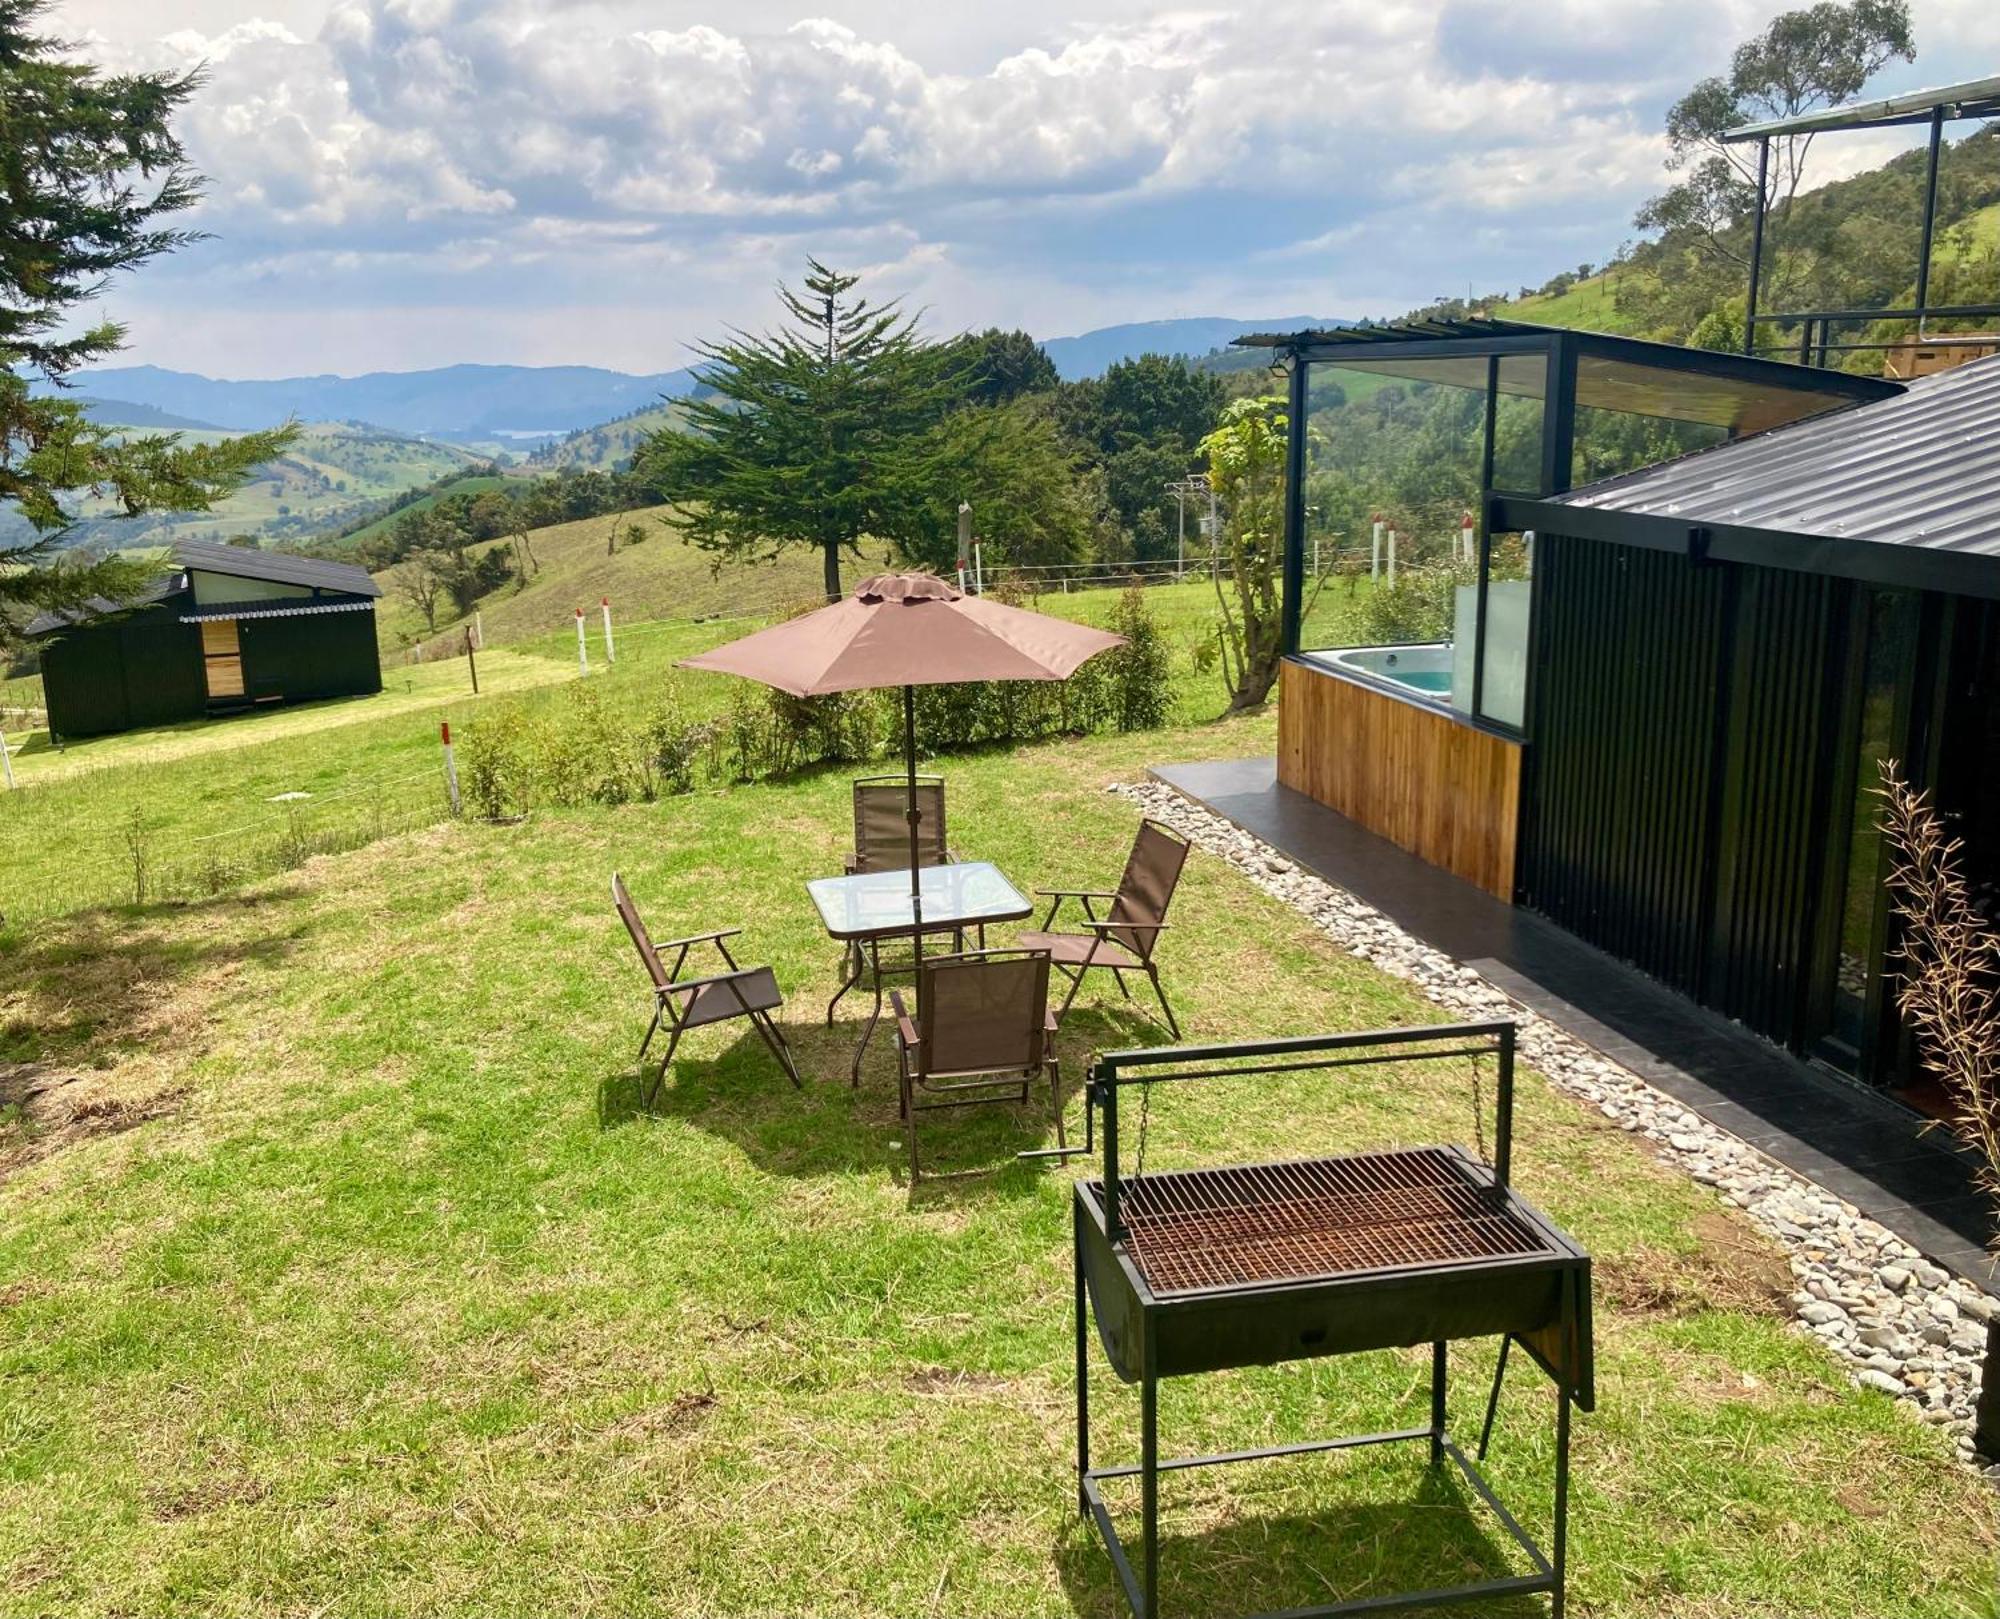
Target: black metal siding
(1616, 814)
(141, 670)
(310, 656)
(1678, 768)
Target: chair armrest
(1106, 924)
(906, 1028)
(1076, 893)
(1049, 1024)
(690, 985)
(697, 938)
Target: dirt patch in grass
(1731, 1267)
(943, 1381)
(43, 1111)
(205, 1495)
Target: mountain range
(529, 403)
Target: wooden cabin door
(222, 659)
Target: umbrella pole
(910, 774)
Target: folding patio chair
(981, 1034)
(1125, 937)
(682, 1004)
(882, 843)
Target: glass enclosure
(1409, 434)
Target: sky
(396, 184)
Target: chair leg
(1075, 984)
(660, 1079)
(655, 1029)
(774, 1037)
(1124, 988)
(1055, 1101)
(1153, 973)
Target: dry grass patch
(1730, 1265)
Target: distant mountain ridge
(1090, 354)
(487, 402)
(454, 401)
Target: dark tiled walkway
(1860, 1146)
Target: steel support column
(1293, 587)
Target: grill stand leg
(1559, 1535)
(1149, 1473)
(1493, 1399)
(1437, 1403)
(1082, 1381)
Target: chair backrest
(642, 941)
(882, 826)
(1147, 888)
(982, 1012)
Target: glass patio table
(871, 908)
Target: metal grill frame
(1248, 1319)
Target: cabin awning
(266, 609)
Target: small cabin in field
(227, 629)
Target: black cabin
(228, 628)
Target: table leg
(875, 1012)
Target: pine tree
(90, 170)
(819, 433)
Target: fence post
(1392, 559)
(1375, 560)
(6, 760)
(471, 663)
(450, 766)
(609, 655)
(582, 651)
(1465, 541)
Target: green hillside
(335, 472)
(659, 577)
(1850, 244)
(473, 483)
(608, 446)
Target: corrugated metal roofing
(1975, 98)
(264, 609)
(168, 584)
(276, 567)
(1400, 331)
(1919, 469)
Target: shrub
(1418, 607)
(1138, 670)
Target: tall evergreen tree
(89, 171)
(818, 433)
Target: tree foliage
(90, 171)
(1246, 467)
(817, 433)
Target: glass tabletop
(878, 902)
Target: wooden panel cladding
(1429, 783)
(222, 657)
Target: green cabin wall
(146, 669)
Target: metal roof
(1975, 98)
(274, 567)
(1630, 375)
(170, 583)
(265, 609)
(1920, 470)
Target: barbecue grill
(1205, 1269)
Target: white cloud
(523, 167)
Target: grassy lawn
(348, 1278)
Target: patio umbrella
(908, 630)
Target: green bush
(1418, 607)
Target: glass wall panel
(1394, 456)
(1503, 688)
(1609, 442)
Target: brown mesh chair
(682, 1004)
(981, 1034)
(882, 825)
(1124, 938)
(882, 843)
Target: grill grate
(1191, 1230)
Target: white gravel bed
(1902, 1325)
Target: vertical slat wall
(1616, 825)
(1774, 803)
(1674, 783)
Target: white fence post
(6, 760)
(1392, 559)
(610, 656)
(450, 766)
(582, 651)
(1466, 543)
(1375, 558)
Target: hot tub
(1422, 671)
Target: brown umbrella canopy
(907, 629)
